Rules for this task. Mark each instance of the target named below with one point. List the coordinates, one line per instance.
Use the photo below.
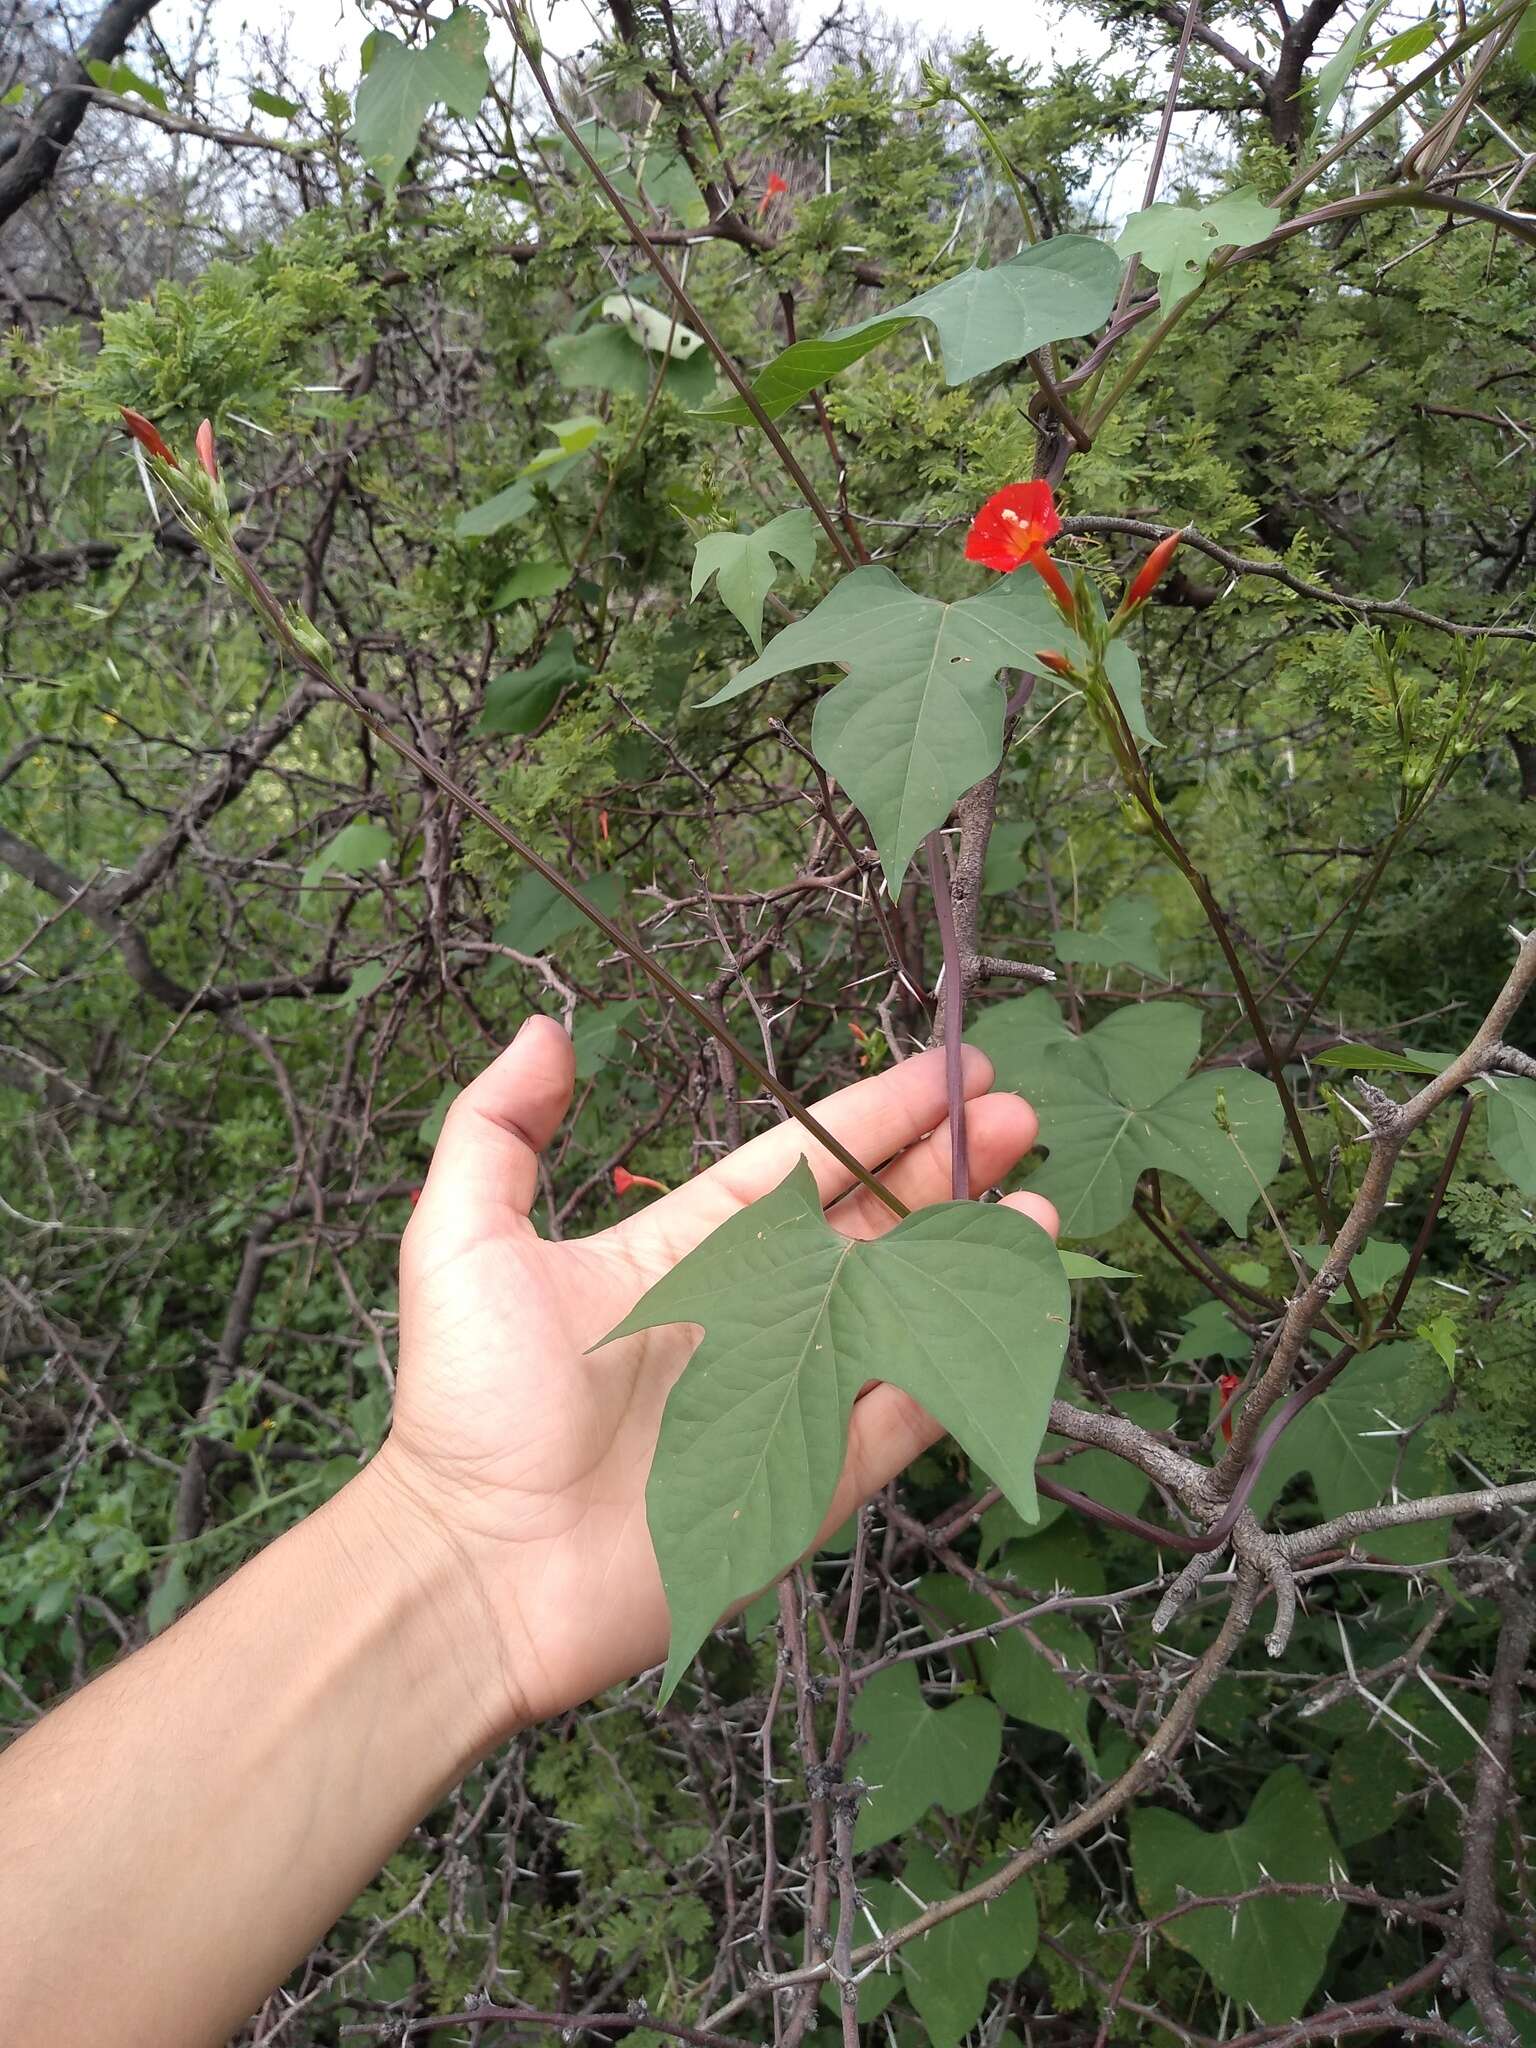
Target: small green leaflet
(400, 86)
(1026, 1684)
(1439, 1333)
(1413, 42)
(14, 95)
(1209, 1332)
(1347, 1441)
(356, 848)
(574, 440)
(599, 1035)
(169, 1597)
(1058, 289)
(1373, 1269)
(273, 103)
(1127, 934)
(367, 980)
(915, 1756)
(1114, 1102)
(529, 580)
(1177, 242)
(919, 719)
(945, 1973)
(1335, 74)
(1269, 1953)
(523, 698)
(124, 80)
(964, 1306)
(742, 565)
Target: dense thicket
(247, 956)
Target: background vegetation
(247, 956)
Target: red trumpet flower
(1228, 1384)
(1015, 526)
(147, 435)
(624, 1180)
(775, 187)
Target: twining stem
(954, 1014)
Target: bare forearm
(179, 1834)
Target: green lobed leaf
(400, 86)
(356, 848)
(1027, 1683)
(963, 1306)
(606, 357)
(1127, 935)
(1209, 1332)
(531, 580)
(915, 1756)
(946, 1973)
(919, 719)
(1114, 1103)
(538, 916)
(1368, 1775)
(983, 318)
(1269, 1953)
(1353, 1443)
(1511, 1125)
(1374, 1268)
(1177, 242)
(743, 566)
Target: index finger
(875, 1119)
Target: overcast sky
(328, 32)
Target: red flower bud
(1151, 572)
(147, 435)
(602, 824)
(624, 1180)
(1228, 1384)
(1058, 664)
(205, 454)
(414, 1196)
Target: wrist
(431, 1606)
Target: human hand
(530, 1455)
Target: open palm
(531, 1449)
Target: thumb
(488, 1154)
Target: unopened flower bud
(147, 435)
(205, 454)
(1151, 572)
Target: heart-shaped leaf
(983, 318)
(1179, 241)
(964, 1306)
(1268, 1953)
(1114, 1102)
(919, 719)
(916, 1756)
(743, 565)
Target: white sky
(329, 32)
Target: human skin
(175, 1836)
